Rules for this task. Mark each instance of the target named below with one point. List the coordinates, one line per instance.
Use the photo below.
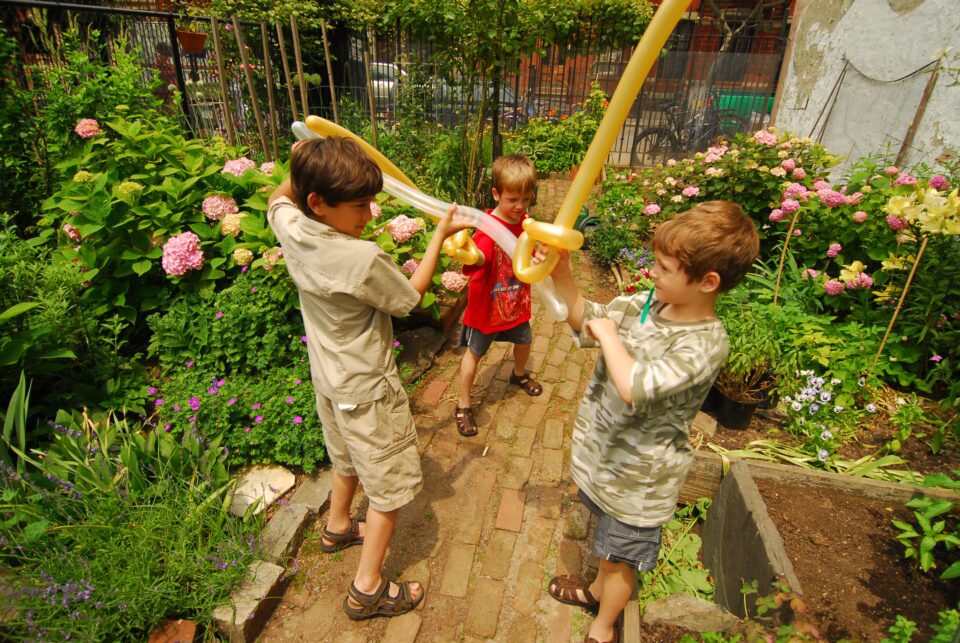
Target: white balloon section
(466, 215)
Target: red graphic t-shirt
(496, 299)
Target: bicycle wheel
(653, 145)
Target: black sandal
(342, 540)
(380, 603)
(466, 424)
(530, 386)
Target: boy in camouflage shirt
(661, 352)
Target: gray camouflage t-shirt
(631, 459)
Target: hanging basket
(191, 42)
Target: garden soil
(851, 568)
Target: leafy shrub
(250, 326)
(269, 416)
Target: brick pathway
(497, 516)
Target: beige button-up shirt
(349, 288)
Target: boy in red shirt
(498, 304)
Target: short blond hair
(714, 236)
(514, 172)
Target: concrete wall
(883, 43)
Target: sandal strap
(368, 602)
(380, 597)
(335, 538)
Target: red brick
(181, 631)
(510, 515)
(433, 393)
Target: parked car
(384, 78)
(450, 100)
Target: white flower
(838, 409)
(834, 382)
(801, 421)
(787, 399)
(797, 406)
(822, 455)
(871, 408)
(825, 396)
(862, 381)
(826, 435)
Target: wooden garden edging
(703, 481)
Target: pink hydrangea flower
(72, 232)
(859, 216)
(810, 273)
(267, 168)
(789, 164)
(690, 191)
(403, 227)
(217, 206)
(182, 253)
(789, 206)
(799, 173)
(454, 281)
(410, 266)
(797, 232)
(892, 169)
(776, 215)
(905, 179)
(831, 198)
(794, 189)
(671, 162)
(821, 185)
(765, 138)
(375, 210)
(651, 209)
(833, 287)
(238, 167)
(834, 250)
(862, 280)
(854, 199)
(895, 222)
(87, 128)
(939, 182)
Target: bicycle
(695, 133)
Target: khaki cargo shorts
(377, 442)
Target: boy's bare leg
(341, 496)
(614, 585)
(468, 371)
(380, 526)
(521, 353)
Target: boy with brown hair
(498, 304)
(349, 288)
(660, 354)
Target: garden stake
(918, 115)
(903, 295)
(253, 95)
(295, 34)
(267, 70)
(286, 71)
(224, 94)
(373, 106)
(783, 255)
(326, 56)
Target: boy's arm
(567, 289)
(284, 189)
(422, 277)
(619, 362)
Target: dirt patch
(850, 565)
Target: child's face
(673, 286)
(513, 203)
(348, 217)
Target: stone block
(553, 434)
(705, 424)
(265, 483)
(456, 573)
(179, 631)
(484, 614)
(510, 514)
(242, 617)
(432, 394)
(282, 536)
(314, 490)
(689, 612)
(402, 629)
(499, 552)
(576, 522)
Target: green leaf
(17, 309)
(142, 267)
(34, 530)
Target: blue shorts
(479, 343)
(619, 542)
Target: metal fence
(715, 77)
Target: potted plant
(745, 379)
(191, 42)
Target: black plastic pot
(734, 414)
(713, 400)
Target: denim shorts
(619, 542)
(479, 343)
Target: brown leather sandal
(466, 424)
(342, 540)
(615, 639)
(564, 589)
(530, 386)
(380, 603)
